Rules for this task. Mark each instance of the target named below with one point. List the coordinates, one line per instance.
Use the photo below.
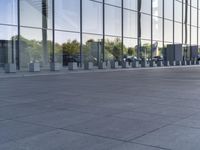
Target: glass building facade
(64, 31)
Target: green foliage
(131, 51)
(146, 50)
(113, 49)
(71, 47)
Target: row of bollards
(133, 64)
(35, 67)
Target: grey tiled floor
(148, 109)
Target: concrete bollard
(152, 64)
(73, 66)
(178, 63)
(125, 65)
(114, 65)
(34, 67)
(10, 68)
(102, 65)
(144, 64)
(88, 66)
(135, 64)
(159, 63)
(55, 66)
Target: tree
(71, 47)
(113, 48)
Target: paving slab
(61, 140)
(116, 128)
(173, 137)
(13, 130)
(59, 119)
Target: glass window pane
(157, 28)
(157, 49)
(168, 31)
(168, 4)
(145, 52)
(158, 8)
(40, 13)
(130, 49)
(194, 35)
(92, 48)
(113, 47)
(178, 11)
(194, 16)
(67, 47)
(130, 4)
(145, 26)
(178, 31)
(67, 15)
(114, 2)
(8, 39)
(8, 13)
(194, 3)
(146, 6)
(113, 20)
(92, 17)
(35, 46)
(130, 23)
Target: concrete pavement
(147, 109)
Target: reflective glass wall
(79, 31)
(8, 31)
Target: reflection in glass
(67, 15)
(34, 48)
(130, 23)
(178, 30)
(113, 48)
(194, 35)
(157, 50)
(188, 35)
(92, 49)
(114, 2)
(157, 28)
(8, 13)
(157, 8)
(145, 52)
(130, 4)
(130, 49)
(168, 31)
(178, 11)
(145, 26)
(112, 20)
(146, 6)
(40, 13)
(67, 47)
(92, 17)
(8, 39)
(194, 17)
(168, 4)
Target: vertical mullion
(139, 28)
(173, 21)
(53, 31)
(103, 42)
(182, 22)
(190, 23)
(81, 32)
(19, 33)
(163, 23)
(173, 27)
(122, 28)
(151, 29)
(197, 22)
